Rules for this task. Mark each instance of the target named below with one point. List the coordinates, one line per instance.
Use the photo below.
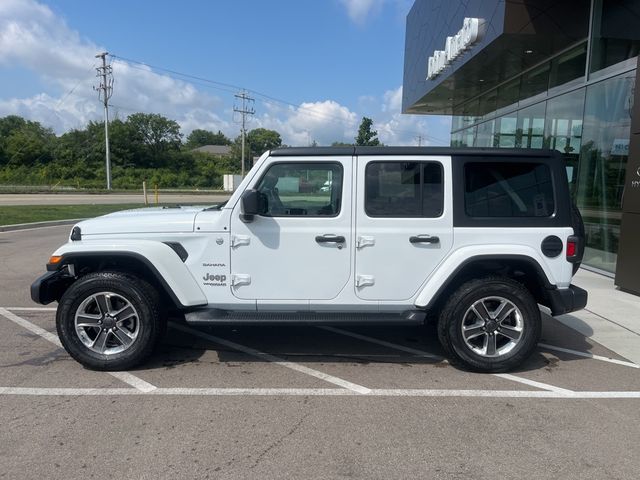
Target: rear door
(404, 223)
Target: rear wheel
(109, 320)
(490, 325)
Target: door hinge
(238, 240)
(364, 241)
(238, 279)
(365, 280)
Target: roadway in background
(7, 199)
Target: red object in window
(571, 248)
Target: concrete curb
(27, 226)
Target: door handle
(424, 239)
(330, 239)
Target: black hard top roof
(460, 151)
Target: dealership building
(543, 74)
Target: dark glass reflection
(568, 66)
(601, 170)
(616, 32)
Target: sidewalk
(611, 318)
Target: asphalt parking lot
(312, 402)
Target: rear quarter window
(502, 189)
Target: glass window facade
(601, 169)
(530, 128)
(589, 122)
(616, 36)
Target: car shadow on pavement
(313, 344)
(305, 344)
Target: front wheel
(109, 320)
(490, 325)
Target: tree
(341, 144)
(199, 138)
(25, 143)
(260, 140)
(157, 134)
(366, 136)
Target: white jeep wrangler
(475, 238)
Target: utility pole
(105, 90)
(419, 138)
(245, 109)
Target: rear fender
(446, 272)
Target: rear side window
(508, 190)
(404, 189)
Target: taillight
(573, 250)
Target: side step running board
(217, 316)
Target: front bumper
(50, 286)
(565, 300)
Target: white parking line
(26, 391)
(141, 386)
(136, 382)
(577, 353)
(32, 309)
(272, 358)
(125, 377)
(533, 383)
(415, 351)
(41, 332)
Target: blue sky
(315, 67)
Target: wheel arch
(128, 262)
(521, 268)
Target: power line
(245, 109)
(262, 96)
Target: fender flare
(445, 275)
(160, 260)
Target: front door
(300, 249)
(404, 224)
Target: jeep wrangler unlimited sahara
(475, 238)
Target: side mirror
(253, 203)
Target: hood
(143, 220)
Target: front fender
(161, 260)
(463, 256)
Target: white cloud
(328, 121)
(32, 37)
(360, 10)
(394, 128)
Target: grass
(11, 215)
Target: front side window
(404, 189)
(302, 189)
(508, 190)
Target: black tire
(578, 230)
(456, 313)
(148, 320)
